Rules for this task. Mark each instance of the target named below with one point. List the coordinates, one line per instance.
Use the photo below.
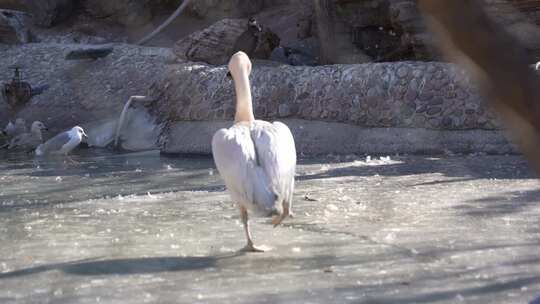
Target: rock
(293, 22)
(13, 28)
(12, 4)
(46, 13)
(303, 52)
(89, 52)
(225, 8)
(214, 44)
(353, 94)
(404, 15)
(280, 54)
(268, 41)
(126, 12)
(80, 91)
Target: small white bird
(28, 141)
(256, 159)
(13, 129)
(62, 143)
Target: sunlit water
(97, 174)
(143, 227)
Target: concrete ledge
(315, 137)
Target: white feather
(257, 160)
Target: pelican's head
(38, 126)
(79, 132)
(239, 64)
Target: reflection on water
(25, 180)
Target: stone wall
(81, 91)
(428, 95)
(431, 106)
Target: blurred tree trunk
(325, 14)
(500, 62)
(334, 38)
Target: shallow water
(149, 228)
(95, 174)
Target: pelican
(62, 143)
(255, 158)
(29, 141)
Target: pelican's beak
(84, 135)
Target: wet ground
(145, 228)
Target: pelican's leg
(249, 246)
(286, 212)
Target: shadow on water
(129, 266)
(466, 168)
(123, 266)
(99, 174)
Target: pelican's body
(28, 141)
(256, 159)
(62, 143)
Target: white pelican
(28, 141)
(62, 143)
(257, 159)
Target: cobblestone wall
(407, 94)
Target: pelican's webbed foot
(252, 248)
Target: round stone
(284, 110)
(433, 111)
(402, 71)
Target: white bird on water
(62, 143)
(13, 129)
(257, 159)
(28, 141)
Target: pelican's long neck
(244, 106)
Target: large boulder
(46, 13)
(215, 44)
(212, 45)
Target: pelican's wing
(276, 154)
(235, 158)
